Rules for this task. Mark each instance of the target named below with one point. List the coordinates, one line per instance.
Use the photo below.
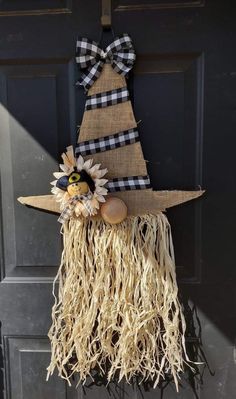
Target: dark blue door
(183, 90)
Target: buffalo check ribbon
(107, 143)
(91, 58)
(71, 204)
(107, 98)
(128, 183)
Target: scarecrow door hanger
(116, 307)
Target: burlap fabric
(120, 162)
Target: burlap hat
(120, 162)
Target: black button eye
(74, 177)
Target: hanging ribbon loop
(91, 58)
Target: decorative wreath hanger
(117, 306)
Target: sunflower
(70, 165)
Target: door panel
(37, 7)
(171, 131)
(134, 5)
(35, 115)
(26, 362)
(183, 90)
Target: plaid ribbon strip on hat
(71, 204)
(91, 58)
(106, 143)
(107, 98)
(128, 183)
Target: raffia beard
(116, 303)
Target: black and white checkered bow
(91, 58)
(71, 204)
